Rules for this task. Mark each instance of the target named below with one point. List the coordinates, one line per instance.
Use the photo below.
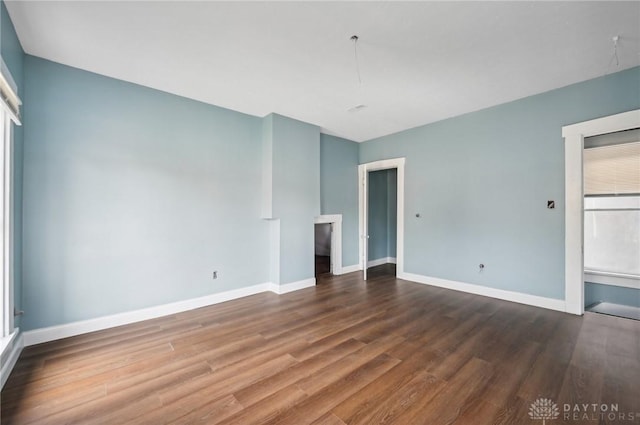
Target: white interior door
(365, 221)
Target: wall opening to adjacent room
(322, 249)
(611, 169)
(574, 141)
(364, 171)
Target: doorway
(364, 171)
(382, 213)
(328, 243)
(322, 241)
(574, 136)
(611, 169)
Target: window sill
(7, 342)
(613, 279)
(10, 349)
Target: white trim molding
(485, 291)
(363, 169)
(380, 261)
(293, 286)
(574, 197)
(336, 239)
(350, 269)
(10, 349)
(52, 333)
(6, 206)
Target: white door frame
(336, 239)
(363, 170)
(574, 198)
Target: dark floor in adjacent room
(323, 264)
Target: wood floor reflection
(343, 352)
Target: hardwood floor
(345, 352)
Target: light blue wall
(392, 211)
(377, 215)
(481, 182)
(339, 190)
(594, 292)
(132, 197)
(295, 147)
(13, 56)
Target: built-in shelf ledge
(613, 279)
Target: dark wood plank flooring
(345, 352)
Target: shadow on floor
(383, 270)
(617, 310)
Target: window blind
(8, 93)
(612, 169)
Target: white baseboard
(517, 297)
(51, 333)
(380, 261)
(13, 347)
(293, 286)
(350, 269)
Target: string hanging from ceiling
(355, 55)
(360, 105)
(614, 55)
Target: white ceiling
(420, 61)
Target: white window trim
(7, 298)
(11, 340)
(10, 348)
(9, 93)
(7, 220)
(574, 198)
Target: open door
(365, 221)
(363, 187)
